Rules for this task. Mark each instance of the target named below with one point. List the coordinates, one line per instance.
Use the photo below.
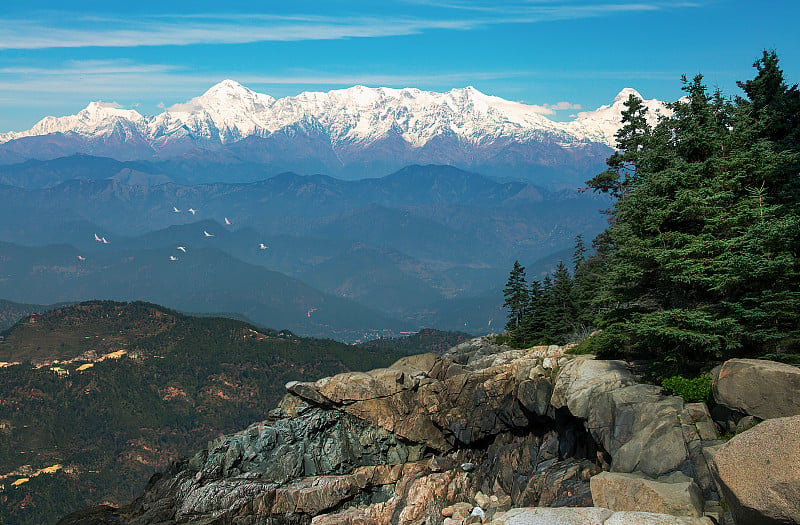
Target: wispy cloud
(128, 76)
(72, 31)
(561, 106)
(181, 30)
(89, 67)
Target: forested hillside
(106, 393)
(699, 262)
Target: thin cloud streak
(21, 34)
(225, 28)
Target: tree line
(699, 262)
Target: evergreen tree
(516, 298)
(579, 254)
(631, 139)
(547, 314)
(527, 333)
(770, 102)
(583, 289)
(702, 247)
(564, 315)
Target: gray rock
(676, 494)
(468, 467)
(534, 394)
(632, 422)
(583, 379)
(589, 516)
(649, 518)
(477, 511)
(699, 431)
(757, 387)
(758, 472)
(553, 516)
(746, 423)
(236, 469)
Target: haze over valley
(285, 212)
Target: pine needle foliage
(702, 246)
(700, 261)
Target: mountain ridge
(358, 132)
(351, 115)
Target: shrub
(691, 390)
(605, 344)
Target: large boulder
(676, 494)
(634, 421)
(760, 388)
(581, 380)
(590, 516)
(758, 472)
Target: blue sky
(55, 59)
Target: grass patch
(693, 390)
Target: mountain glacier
(357, 128)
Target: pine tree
(583, 288)
(772, 103)
(547, 313)
(631, 139)
(702, 247)
(565, 312)
(579, 254)
(516, 298)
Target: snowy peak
(624, 95)
(97, 119)
(228, 111)
(231, 93)
(352, 118)
(602, 124)
(99, 110)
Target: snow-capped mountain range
(355, 126)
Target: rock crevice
(412, 443)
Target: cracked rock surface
(482, 426)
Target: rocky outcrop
(760, 388)
(758, 472)
(456, 401)
(480, 433)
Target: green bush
(691, 390)
(789, 359)
(605, 344)
(584, 347)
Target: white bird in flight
(207, 234)
(227, 222)
(103, 240)
(173, 258)
(97, 238)
(81, 258)
(175, 210)
(182, 248)
(192, 211)
(311, 312)
(262, 246)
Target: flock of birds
(206, 234)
